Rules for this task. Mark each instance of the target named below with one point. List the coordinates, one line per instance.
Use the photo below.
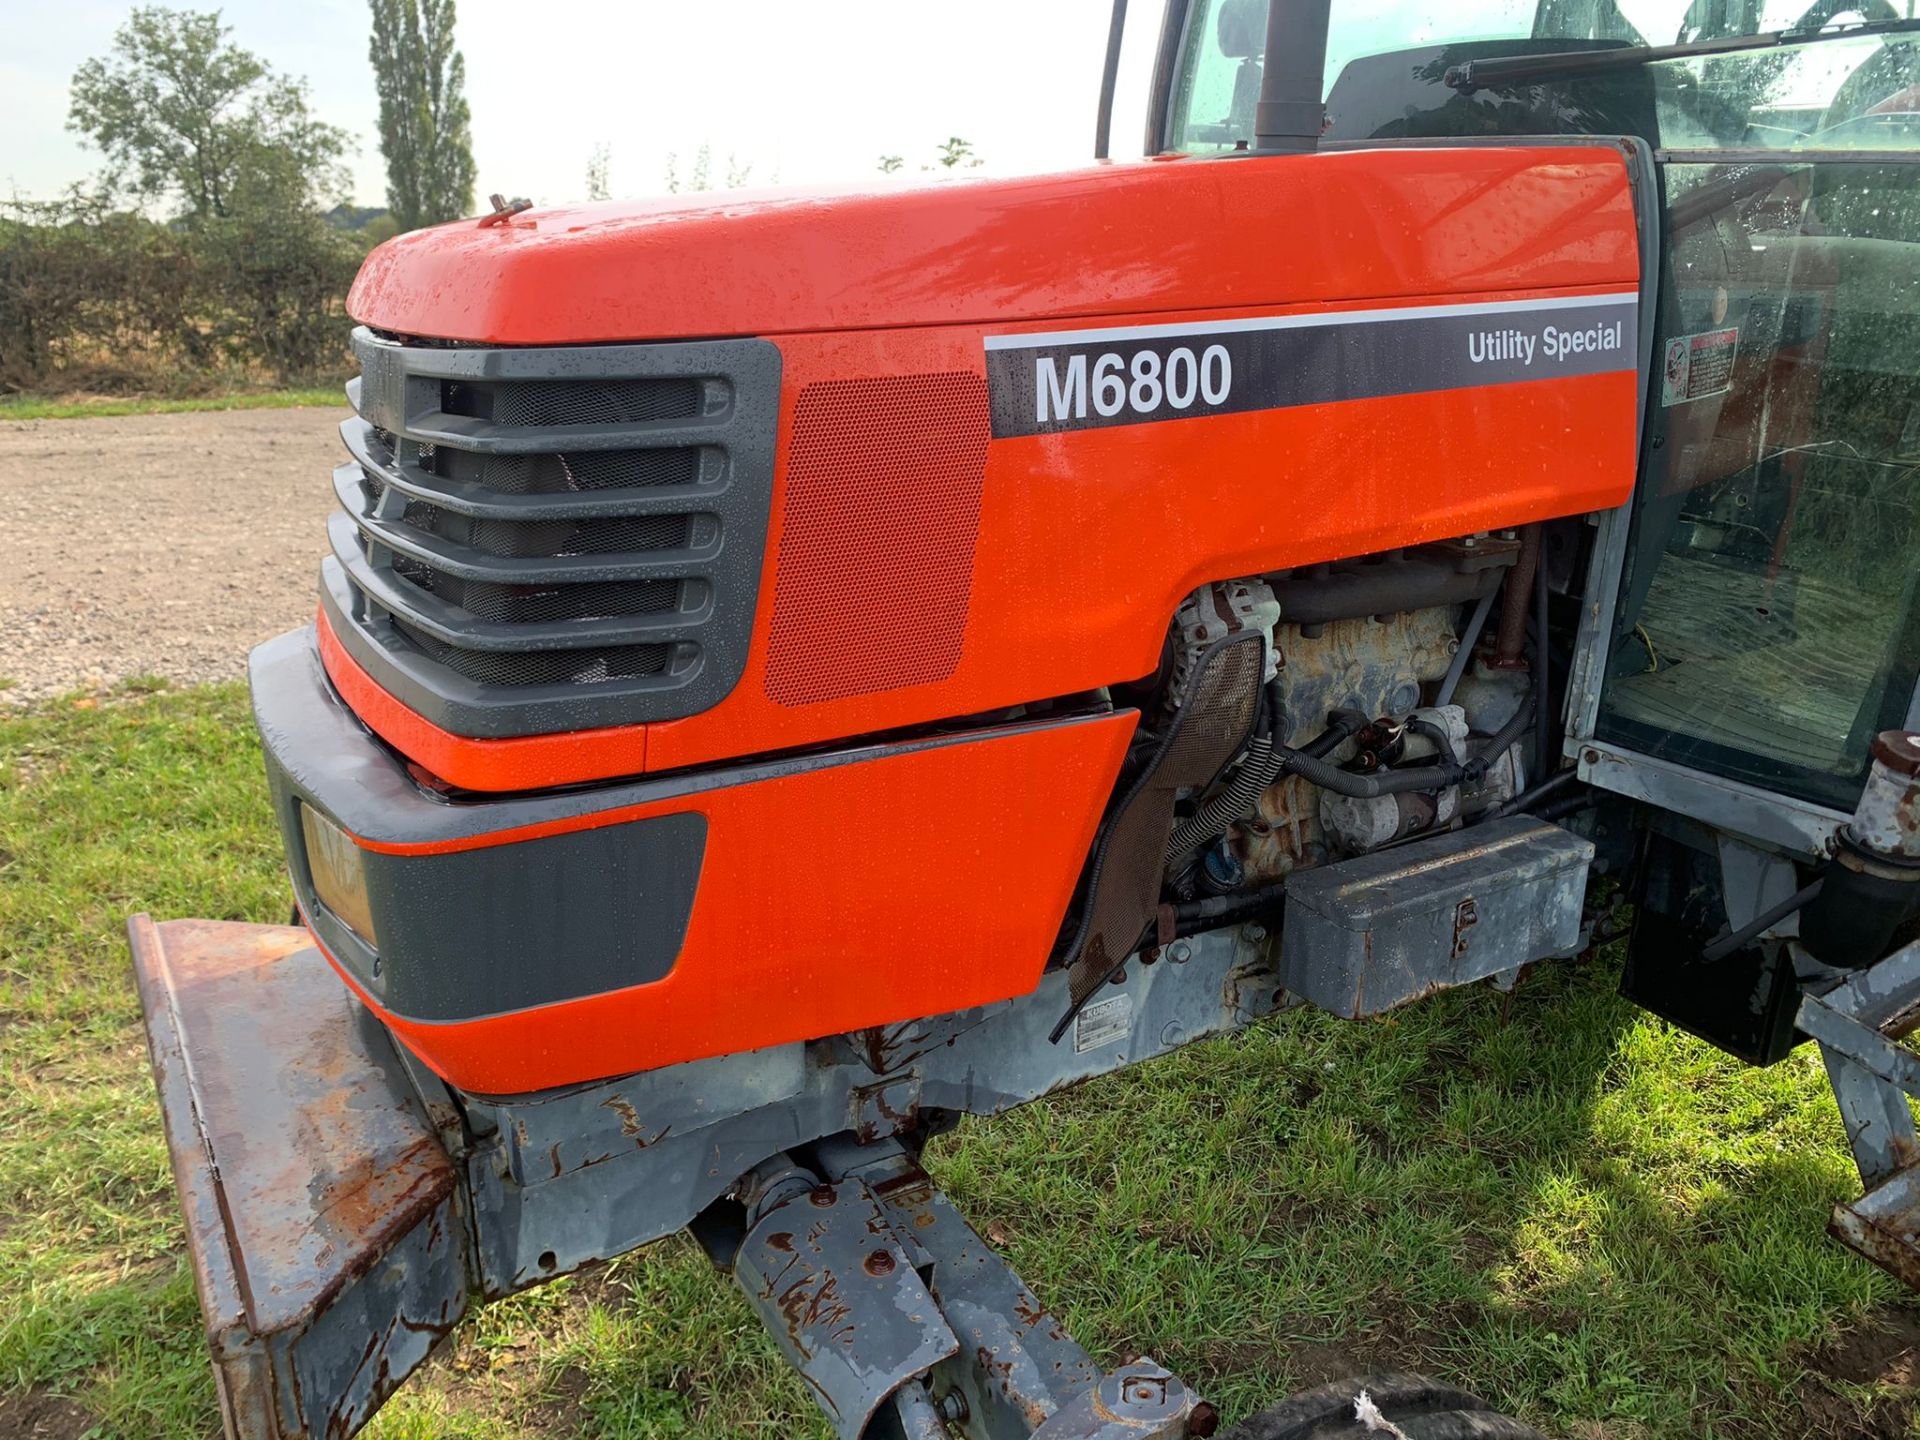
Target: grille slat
(591, 527)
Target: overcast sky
(801, 92)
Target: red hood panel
(1168, 234)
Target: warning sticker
(1697, 366)
(1102, 1023)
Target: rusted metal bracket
(835, 1288)
(1872, 1077)
(905, 1322)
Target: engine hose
(1192, 917)
(1424, 777)
(1503, 739)
(1527, 799)
(1259, 769)
(1368, 787)
(1441, 741)
(1734, 940)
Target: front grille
(534, 540)
(549, 667)
(559, 474)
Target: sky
(799, 92)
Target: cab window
(1856, 93)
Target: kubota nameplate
(1039, 384)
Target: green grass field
(1597, 1222)
(41, 407)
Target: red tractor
(796, 670)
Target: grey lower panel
(507, 927)
(1366, 935)
(592, 1171)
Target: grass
(1600, 1223)
(41, 407)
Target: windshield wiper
(1556, 64)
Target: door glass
(1769, 623)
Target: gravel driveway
(157, 544)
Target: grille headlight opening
(337, 871)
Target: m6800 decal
(1052, 381)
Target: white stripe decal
(1036, 339)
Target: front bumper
(536, 940)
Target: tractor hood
(1167, 234)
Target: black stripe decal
(1041, 384)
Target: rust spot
(630, 1124)
(893, 1119)
(907, 1180)
(817, 1310)
(1000, 1371)
(1466, 915)
(781, 1240)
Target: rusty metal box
(1367, 934)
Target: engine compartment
(1393, 705)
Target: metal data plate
(322, 1212)
(1368, 934)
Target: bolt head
(1179, 952)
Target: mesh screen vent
(875, 566)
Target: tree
(700, 179)
(738, 174)
(955, 152)
(597, 163)
(425, 125)
(182, 112)
(891, 163)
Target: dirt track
(157, 544)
